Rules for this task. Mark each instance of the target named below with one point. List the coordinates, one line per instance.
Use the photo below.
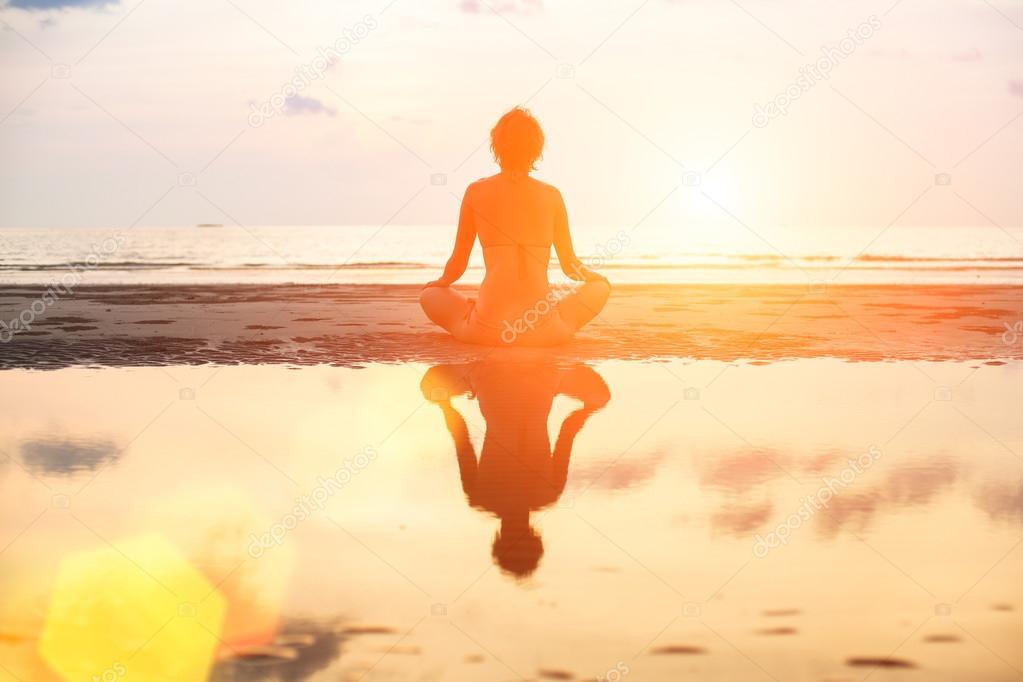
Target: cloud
(298, 105)
(1002, 501)
(58, 4)
(503, 7)
(897, 54)
(1016, 88)
(971, 55)
(620, 475)
(65, 457)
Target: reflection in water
(744, 478)
(66, 456)
(939, 513)
(516, 472)
(1002, 500)
(302, 649)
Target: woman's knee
(433, 301)
(585, 303)
(442, 305)
(426, 297)
(597, 292)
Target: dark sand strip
(353, 325)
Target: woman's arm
(439, 385)
(464, 241)
(466, 454)
(586, 385)
(570, 263)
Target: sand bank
(357, 324)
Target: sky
(669, 112)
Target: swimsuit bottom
(532, 328)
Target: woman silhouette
(517, 218)
(517, 472)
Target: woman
(517, 218)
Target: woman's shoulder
(549, 191)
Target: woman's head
(517, 141)
(518, 552)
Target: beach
(762, 482)
(352, 325)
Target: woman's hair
(517, 141)
(518, 554)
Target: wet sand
(351, 325)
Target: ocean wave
(740, 262)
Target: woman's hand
(437, 283)
(443, 382)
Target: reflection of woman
(517, 472)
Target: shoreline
(358, 324)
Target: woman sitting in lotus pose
(517, 218)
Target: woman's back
(517, 220)
(515, 217)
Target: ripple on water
(369, 630)
(777, 613)
(777, 631)
(678, 650)
(269, 654)
(882, 662)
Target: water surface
(408, 522)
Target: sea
(408, 254)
